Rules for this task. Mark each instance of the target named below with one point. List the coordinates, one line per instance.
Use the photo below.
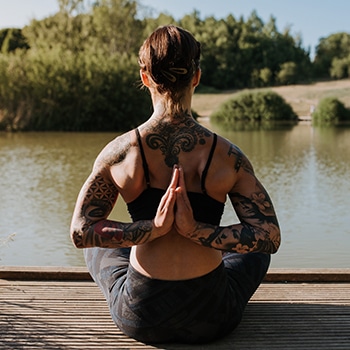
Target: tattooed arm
(258, 230)
(90, 226)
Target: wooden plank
(81, 274)
(308, 275)
(74, 315)
(44, 273)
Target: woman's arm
(90, 226)
(258, 230)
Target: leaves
(330, 111)
(332, 52)
(257, 107)
(77, 69)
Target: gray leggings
(189, 311)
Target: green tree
(80, 69)
(59, 31)
(219, 44)
(288, 73)
(12, 39)
(335, 46)
(265, 76)
(192, 22)
(340, 68)
(151, 24)
(75, 77)
(116, 26)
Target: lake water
(306, 171)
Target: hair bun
(171, 56)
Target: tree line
(77, 69)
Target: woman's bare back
(171, 257)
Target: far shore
(302, 98)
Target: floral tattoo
(172, 139)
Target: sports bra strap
(205, 171)
(144, 162)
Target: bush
(261, 77)
(255, 107)
(12, 39)
(330, 111)
(288, 73)
(62, 90)
(340, 68)
(266, 76)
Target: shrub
(12, 39)
(261, 77)
(62, 90)
(266, 76)
(256, 107)
(330, 111)
(288, 73)
(340, 68)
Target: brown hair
(170, 56)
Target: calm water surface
(306, 171)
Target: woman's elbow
(275, 248)
(270, 244)
(275, 243)
(77, 237)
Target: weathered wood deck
(62, 308)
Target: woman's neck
(172, 114)
(165, 108)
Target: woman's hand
(164, 219)
(184, 220)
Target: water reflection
(251, 125)
(40, 176)
(305, 170)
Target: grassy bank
(300, 97)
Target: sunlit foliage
(77, 69)
(254, 107)
(330, 111)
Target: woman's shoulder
(227, 148)
(233, 155)
(229, 155)
(117, 150)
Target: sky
(312, 19)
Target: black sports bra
(205, 208)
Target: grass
(300, 97)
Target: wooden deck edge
(308, 275)
(44, 273)
(59, 273)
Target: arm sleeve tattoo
(94, 230)
(258, 230)
(90, 227)
(244, 237)
(112, 234)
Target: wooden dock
(61, 308)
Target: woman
(185, 277)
